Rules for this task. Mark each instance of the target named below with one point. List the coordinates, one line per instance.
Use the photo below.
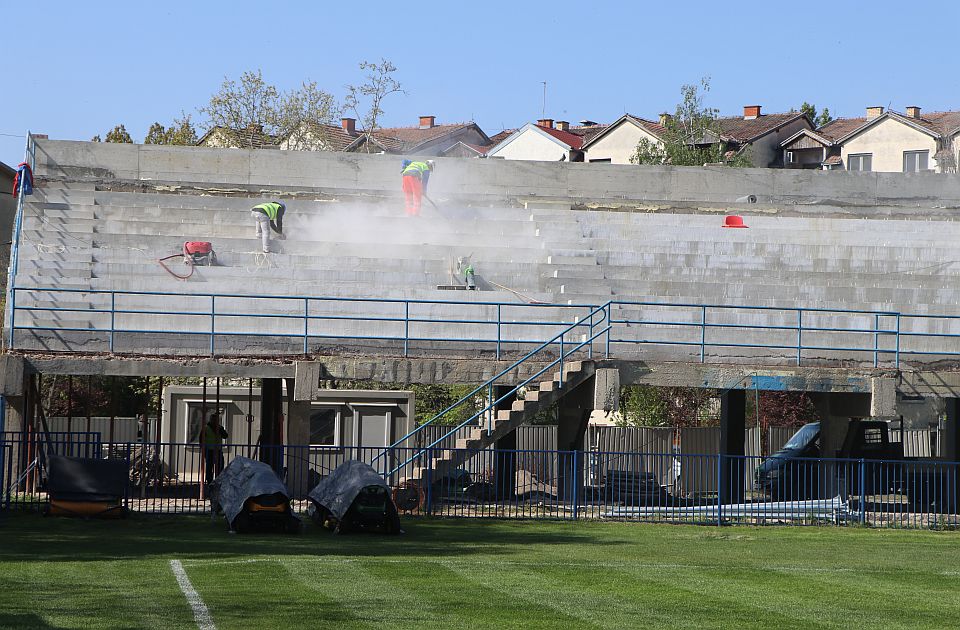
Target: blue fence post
(863, 491)
(876, 339)
(306, 325)
(406, 327)
(562, 335)
(429, 492)
(113, 316)
(896, 357)
(703, 334)
(576, 485)
(3, 445)
(491, 409)
(498, 331)
(609, 329)
(799, 334)
(590, 336)
(13, 314)
(719, 489)
(213, 322)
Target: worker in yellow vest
(268, 216)
(213, 436)
(416, 175)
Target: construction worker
(415, 178)
(268, 216)
(213, 435)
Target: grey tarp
(337, 491)
(242, 479)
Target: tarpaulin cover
(81, 479)
(242, 479)
(337, 491)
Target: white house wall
(619, 144)
(531, 145)
(887, 141)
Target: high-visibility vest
(270, 209)
(417, 169)
(212, 437)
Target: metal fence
(170, 478)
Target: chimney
(563, 125)
(427, 122)
(349, 125)
(913, 111)
(546, 122)
(874, 112)
(751, 112)
(665, 118)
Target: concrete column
(950, 431)
(505, 459)
(271, 415)
(836, 410)
(883, 397)
(733, 413)
(298, 449)
(572, 417)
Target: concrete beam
(136, 366)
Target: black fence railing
(171, 478)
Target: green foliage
(180, 132)
(119, 135)
(432, 399)
(96, 138)
(252, 103)
(644, 406)
(692, 137)
(818, 120)
(369, 95)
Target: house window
(860, 162)
(602, 160)
(196, 419)
(788, 158)
(915, 161)
(325, 427)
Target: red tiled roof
(569, 138)
(740, 130)
(654, 128)
(839, 127)
(833, 159)
(334, 136)
(248, 138)
(406, 138)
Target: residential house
(758, 136)
(883, 141)
(252, 137)
(545, 142)
(427, 138)
(465, 150)
(617, 142)
(319, 137)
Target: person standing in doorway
(416, 175)
(213, 436)
(268, 216)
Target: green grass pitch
(63, 573)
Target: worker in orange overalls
(415, 178)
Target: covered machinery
(252, 498)
(354, 497)
(86, 487)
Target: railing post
(609, 329)
(576, 485)
(562, 335)
(491, 409)
(213, 322)
(13, 313)
(799, 334)
(429, 489)
(498, 331)
(306, 326)
(113, 317)
(876, 338)
(719, 489)
(590, 336)
(863, 491)
(703, 333)
(406, 327)
(896, 356)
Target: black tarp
(244, 479)
(341, 493)
(82, 479)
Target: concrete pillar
(883, 397)
(298, 449)
(950, 431)
(271, 418)
(836, 410)
(572, 417)
(733, 414)
(505, 457)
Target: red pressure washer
(195, 254)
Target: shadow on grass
(38, 538)
(15, 620)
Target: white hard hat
(431, 164)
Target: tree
(96, 138)
(693, 136)
(180, 132)
(379, 84)
(255, 104)
(119, 135)
(818, 120)
(645, 406)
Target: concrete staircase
(536, 399)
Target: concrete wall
(487, 179)
(619, 144)
(887, 141)
(532, 144)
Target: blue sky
(91, 65)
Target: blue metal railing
(489, 410)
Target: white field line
(201, 614)
(546, 564)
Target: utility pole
(543, 109)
